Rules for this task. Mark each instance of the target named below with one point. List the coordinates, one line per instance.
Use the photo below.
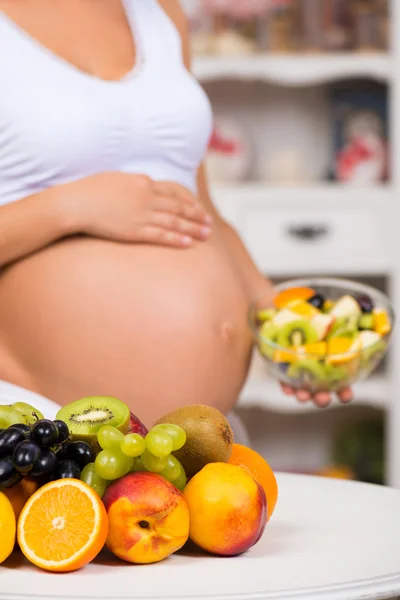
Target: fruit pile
(96, 476)
(313, 341)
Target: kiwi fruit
(9, 416)
(343, 327)
(307, 371)
(85, 417)
(297, 333)
(30, 413)
(209, 436)
(266, 315)
(268, 333)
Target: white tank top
(59, 124)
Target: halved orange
(282, 299)
(63, 526)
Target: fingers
(345, 396)
(181, 226)
(174, 190)
(173, 206)
(157, 235)
(321, 399)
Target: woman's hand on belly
(134, 209)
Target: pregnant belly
(158, 328)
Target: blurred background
(300, 163)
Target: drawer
(296, 233)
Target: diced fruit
(303, 309)
(7, 528)
(365, 303)
(322, 325)
(266, 314)
(342, 328)
(307, 370)
(283, 317)
(318, 301)
(268, 335)
(133, 445)
(382, 322)
(286, 356)
(300, 293)
(369, 338)
(297, 333)
(366, 322)
(328, 305)
(343, 350)
(318, 349)
(63, 526)
(349, 308)
(148, 518)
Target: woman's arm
(32, 223)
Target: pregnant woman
(117, 275)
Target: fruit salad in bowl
(323, 334)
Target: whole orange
(245, 457)
(227, 509)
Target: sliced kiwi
(266, 314)
(307, 371)
(30, 413)
(85, 417)
(297, 333)
(9, 416)
(268, 333)
(343, 327)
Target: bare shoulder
(177, 15)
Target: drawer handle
(308, 233)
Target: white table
(328, 540)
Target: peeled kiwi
(297, 333)
(268, 333)
(85, 417)
(366, 322)
(9, 416)
(336, 376)
(307, 370)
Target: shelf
(295, 70)
(263, 392)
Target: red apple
(136, 426)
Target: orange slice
(304, 309)
(382, 322)
(301, 293)
(63, 526)
(285, 356)
(343, 350)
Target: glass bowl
(323, 365)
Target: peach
(228, 509)
(148, 518)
